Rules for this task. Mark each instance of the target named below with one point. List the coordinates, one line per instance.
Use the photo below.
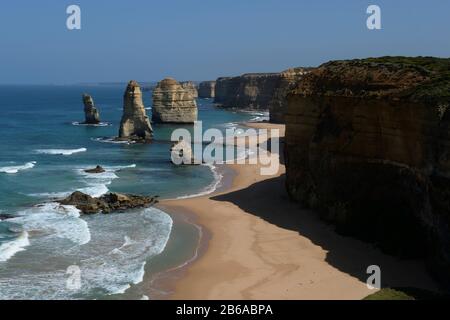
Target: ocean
(49, 251)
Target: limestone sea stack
(91, 113)
(190, 86)
(368, 147)
(173, 104)
(207, 89)
(135, 124)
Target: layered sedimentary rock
(262, 91)
(91, 113)
(191, 87)
(368, 146)
(107, 203)
(173, 104)
(135, 124)
(278, 104)
(249, 91)
(207, 89)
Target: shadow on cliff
(269, 200)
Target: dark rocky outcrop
(97, 169)
(6, 216)
(107, 203)
(207, 89)
(135, 125)
(368, 147)
(173, 104)
(92, 115)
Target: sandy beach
(257, 244)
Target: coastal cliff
(207, 89)
(173, 103)
(263, 91)
(278, 104)
(368, 147)
(91, 113)
(249, 91)
(135, 125)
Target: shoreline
(248, 252)
(165, 281)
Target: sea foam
(10, 248)
(212, 187)
(16, 169)
(57, 220)
(101, 124)
(61, 152)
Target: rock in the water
(6, 216)
(92, 115)
(182, 152)
(97, 169)
(191, 87)
(107, 203)
(368, 146)
(207, 89)
(173, 104)
(135, 124)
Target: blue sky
(203, 39)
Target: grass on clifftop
(438, 69)
(406, 294)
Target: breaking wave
(61, 152)
(16, 169)
(101, 124)
(10, 248)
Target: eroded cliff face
(367, 146)
(249, 91)
(278, 104)
(135, 125)
(207, 89)
(173, 104)
(91, 113)
(261, 91)
(191, 87)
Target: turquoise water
(43, 154)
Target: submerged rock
(173, 104)
(97, 169)
(135, 125)
(207, 89)
(368, 147)
(107, 203)
(92, 115)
